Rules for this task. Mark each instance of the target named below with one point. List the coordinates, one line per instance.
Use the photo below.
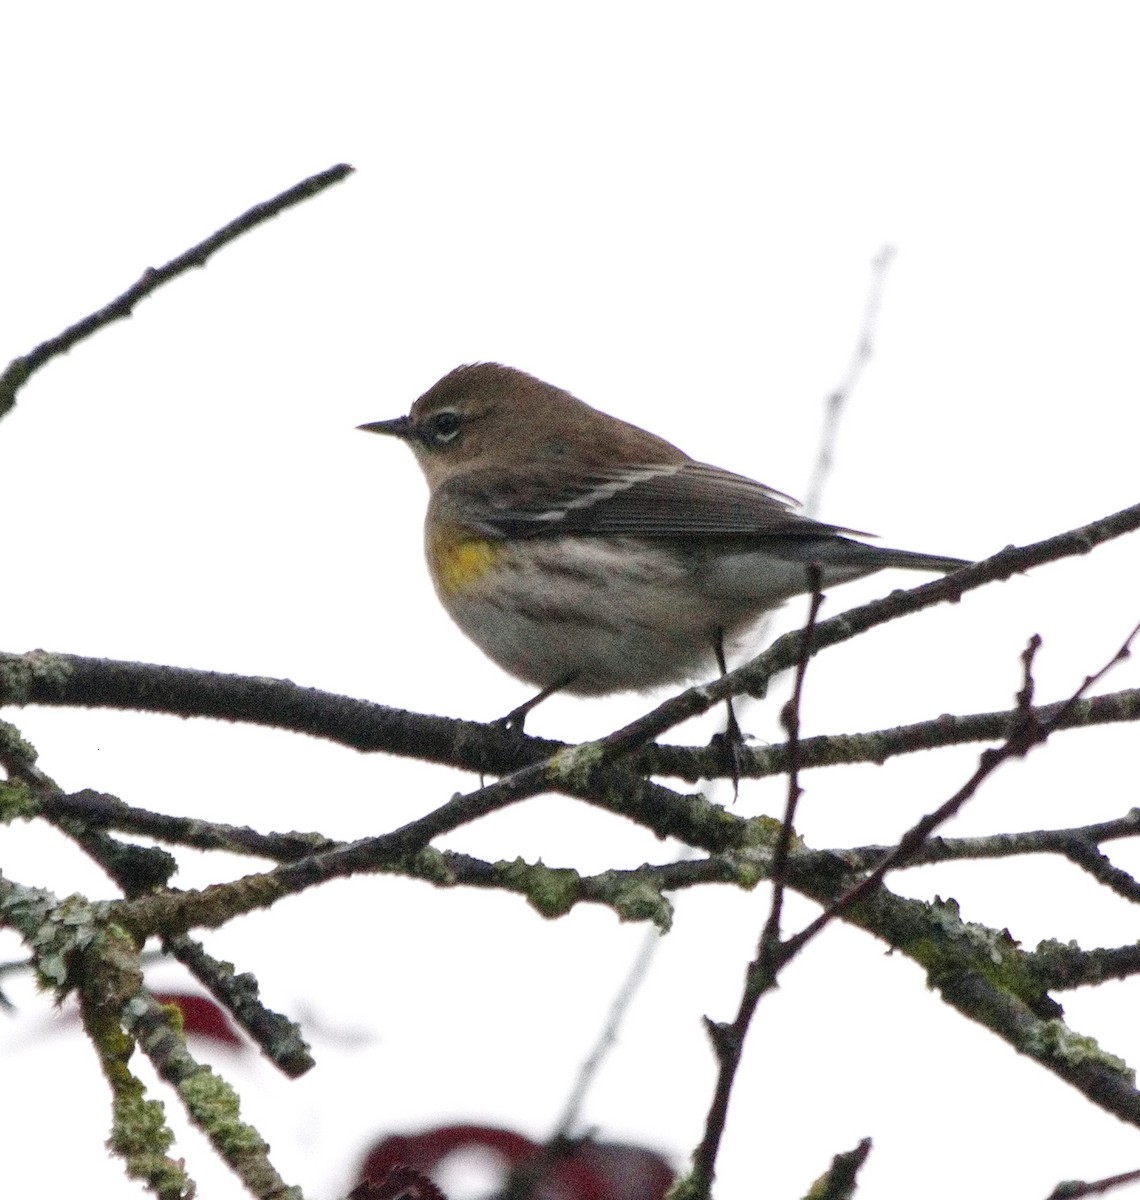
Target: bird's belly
(618, 614)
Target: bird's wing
(675, 499)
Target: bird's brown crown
(487, 415)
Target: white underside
(620, 614)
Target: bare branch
(837, 401)
(1019, 743)
(1072, 1189)
(839, 1181)
(20, 370)
(728, 1040)
(877, 746)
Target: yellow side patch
(457, 565)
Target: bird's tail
(878, 558)
(841, 552)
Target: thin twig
(607, 1038)
(728, 1040)
(879, 745)
(19, 370)
(1072, 1189)
(1017, 745)
(839, 1180)
(1000, 845)
(837, 401)
(790, 716)
(834, 406)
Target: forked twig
(728, 1040)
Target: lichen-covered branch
(139, 870)
(1060, 966)
(210, 1102)
(77, 945)
(877, 746)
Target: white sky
(671, 210)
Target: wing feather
(675, 499)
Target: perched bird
(582, 553)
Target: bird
(584, 554)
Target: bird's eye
(442, 427)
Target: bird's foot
(732, 746)
(515, 720)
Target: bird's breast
(459, 561)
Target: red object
(401, 1183)
(583, 1171)
(201, 1017)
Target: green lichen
(1055, 1040)
(1062, 964)
(215, 1106)
(15, 748)
(175, 1018)
(17, 802)
(945, 944)
(22, 676)
(139, 1133)
(574, 766)
(140, 1124)
(693, 1186)
(141, 1137)
(696, 819)
(639, 900)
(171, 913)
(109, 972)
(552, 891)
(431, 865)
(747, 873)
(54, 930)
(762, 832)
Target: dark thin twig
(1074, 1188)
(790, 717)
(999, 845)
(1100, 867)
(1019, 743)
(838, 1182)
(728, 1040)
(879, 745)
(19, 370)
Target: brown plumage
(576, 549)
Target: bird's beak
(400, 427)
